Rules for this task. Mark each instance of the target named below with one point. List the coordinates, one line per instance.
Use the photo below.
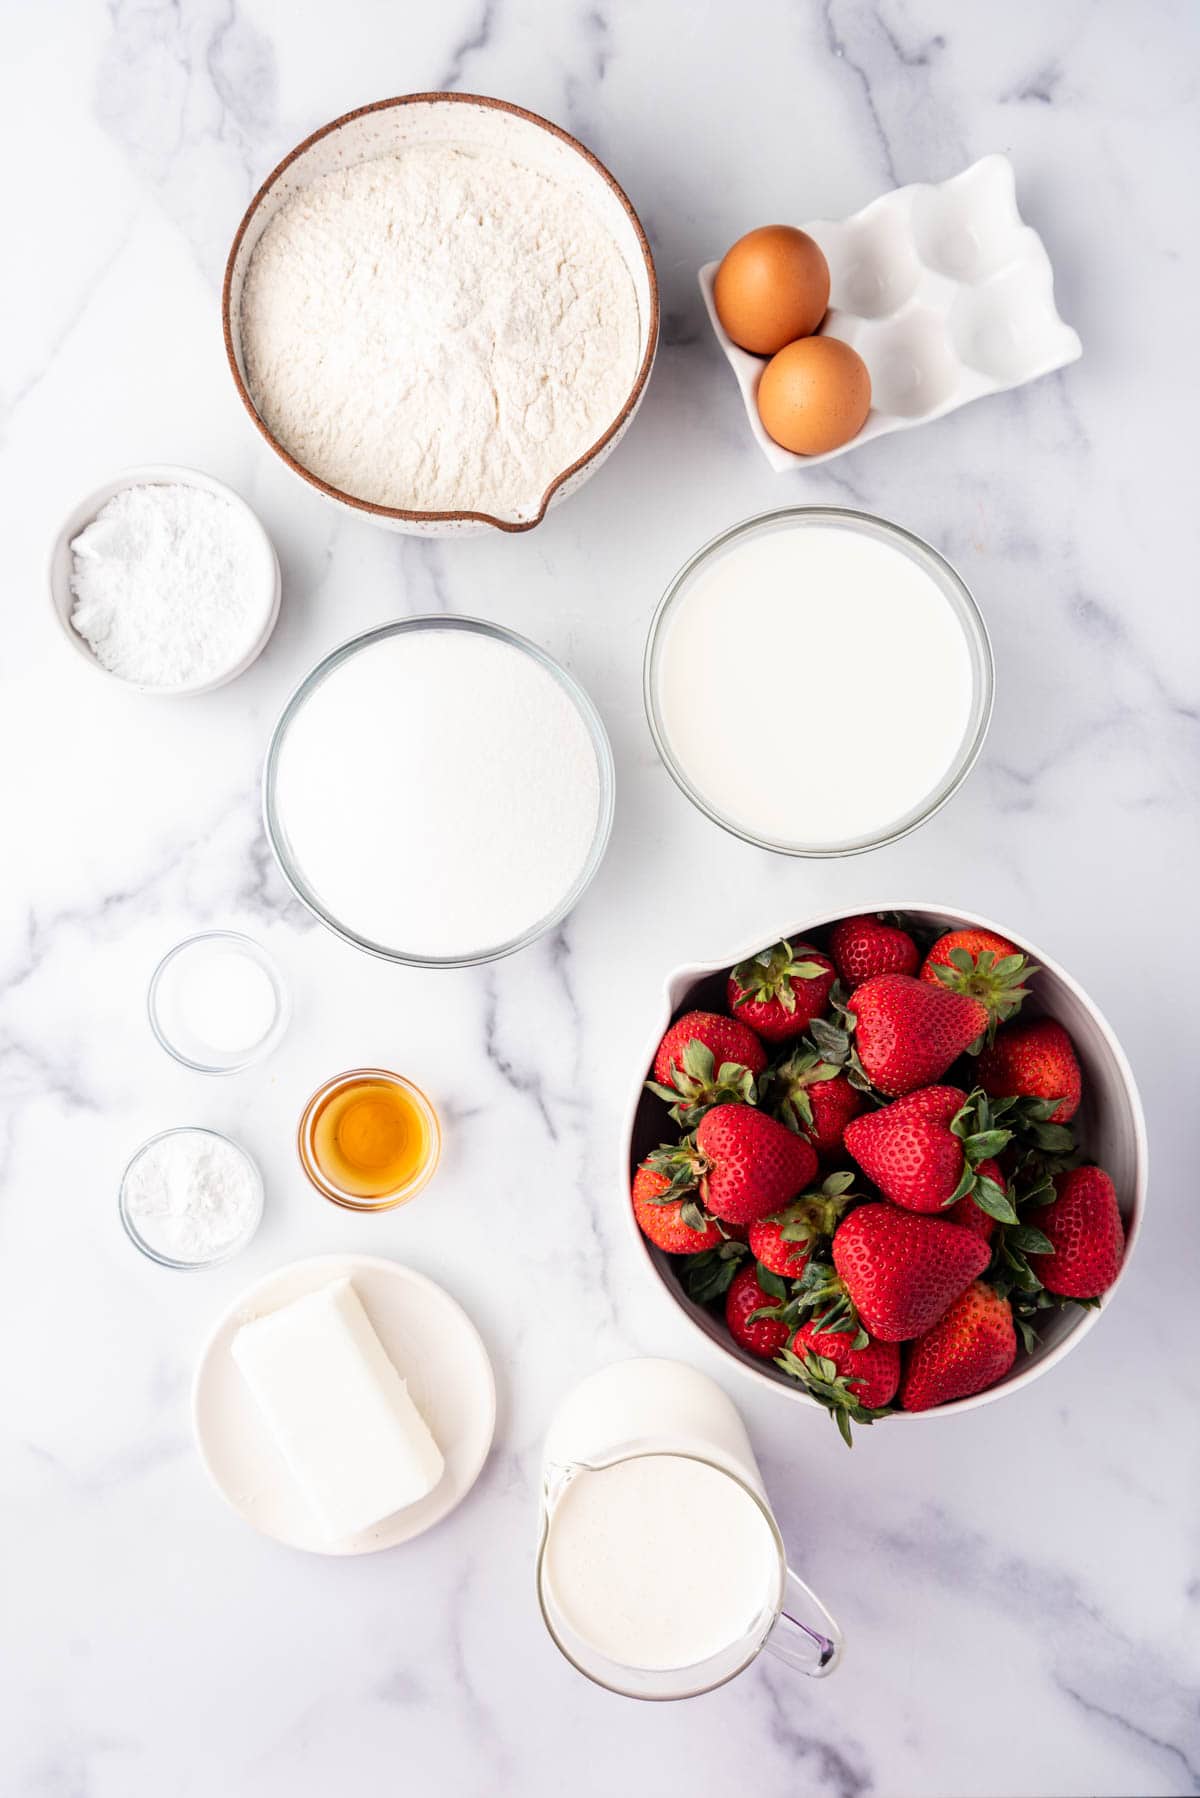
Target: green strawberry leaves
(817, 1213)
(1010, 1272)
(990, 1198)
(819, 1294)
(709, 1275)
(819, 1375)
(693, 1214)
(769, 975)
(773, 1284)
(997, 981)
(1029, 1310)
(834, 1038)
(817, 1287)
(681, 1165)
(1029, 1121)
(1029, 1240)
(699, 1084)
(983, 1137)
(785, 1087)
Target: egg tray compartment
(944, 291)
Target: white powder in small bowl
(173, 585)
(438, 793)
(191, 1196)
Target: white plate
(434, 1345)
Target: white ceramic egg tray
(944, 291)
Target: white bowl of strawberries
(893, 1164)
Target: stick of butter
(355, 1443)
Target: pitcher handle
(813, 1648)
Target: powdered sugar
(192, 1195)
(439, 331)
(172, 585)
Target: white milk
(661, 1562)
(814, 684)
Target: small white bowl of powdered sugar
(164, 579)
(441, 312)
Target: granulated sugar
(439, 792)
(439, 330)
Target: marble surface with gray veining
(1020, 1587)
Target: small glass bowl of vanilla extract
(369, 1140)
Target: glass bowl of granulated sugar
(439, 791)
(497, 335)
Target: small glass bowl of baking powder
(217, 1002)
(190, 1198)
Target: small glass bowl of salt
(190, 1198)
(217, 1002)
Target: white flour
(438, 331)
(191, 1195)
(171, 585)
(439, 792)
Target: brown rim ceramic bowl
(468, 121)
(1112, 1131)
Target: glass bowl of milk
(818, 681)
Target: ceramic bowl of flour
(440, 312)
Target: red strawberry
(909, 1150)
(982, 965)
(677, 1225)
(725, 1038)
(926, 1150)
(1084, 1224)
(706, 1059)
(908, 1033)
(812, 1098)
(971, 942)
(872, 1370)
(853, 1377)
(971, 1346)
(966, 1211)
(1035, 1061)
(864, 946)
(766, 1335)
(752, 1163)
(784, 1242)
(780, 992)
(780, 1254)
(901, 1271)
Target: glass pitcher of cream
(661, 1572)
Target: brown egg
(814, 395)
(771, 287)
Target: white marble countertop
(1020, 1586)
